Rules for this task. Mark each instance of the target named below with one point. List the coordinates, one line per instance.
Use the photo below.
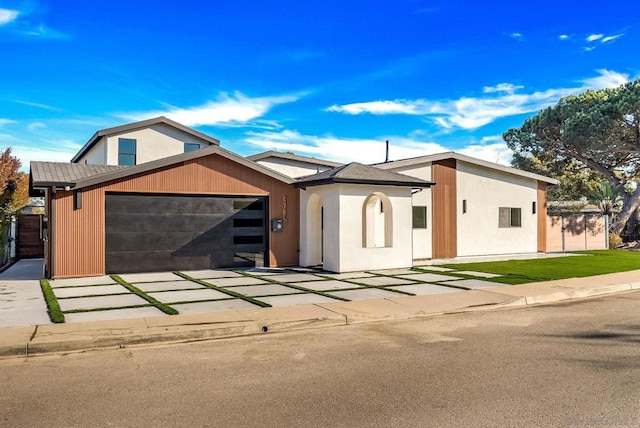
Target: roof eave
(415, 185)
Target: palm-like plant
(607, 197)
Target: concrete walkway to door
(21, 300)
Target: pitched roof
(292, 156)
(63, 174)
(356, 173)
(78, 176)
(464, 158)
(139, 125)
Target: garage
(162, 232)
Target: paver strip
(90, 290)
(215, 306)
(478, 274)
(85, 303)
(328, 285)
(150, 287)
(474, 283)
(188, 295)
(266, 290)
(242, 280)
(299, 299)
(430, 277)
(424, 289)
(365, 294)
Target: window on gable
(419, 217)
(126, 151)
(189, 147)
(509, 217)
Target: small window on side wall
(419, 217)
(509, 217)
(189, 147)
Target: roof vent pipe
(386, 158)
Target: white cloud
(383, 107)
(611, 38)
(496, 151)
(226, 109)
(563, 36)
(8, 15)
(515, 35)
(594, 37)
(472, 113)
(509, 88)
(38, 105)
(35, 126)
(342, 149)
(369, 151)
(606, 79)
(6, 121)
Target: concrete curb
(51, 338)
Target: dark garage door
(151, 233)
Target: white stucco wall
(343, 228)
(97, 155)
(292, 168)
(485, 190)
(155, 142)
(422, 238)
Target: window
(509, 217)
(126, 151)
(189, 147)
(419, 217)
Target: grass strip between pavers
(224, 290)
(55, 313)
(290, 285)
(135, 290)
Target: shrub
(615, 241)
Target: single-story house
(156, 195)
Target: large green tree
(586, 137)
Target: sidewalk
(20, 341)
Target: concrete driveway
(148, 294)
(21, 299)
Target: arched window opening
(377, 221)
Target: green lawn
(589, 263)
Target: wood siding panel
(80, 234)
(444, 202)
(542, 216)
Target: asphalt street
(571, 364)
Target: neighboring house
(141, 142)
(179, 209)
(293, 165)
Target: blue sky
(330, 79)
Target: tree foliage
(14, 185)
(584, 139)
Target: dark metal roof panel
(357, 173)
(292, 156)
